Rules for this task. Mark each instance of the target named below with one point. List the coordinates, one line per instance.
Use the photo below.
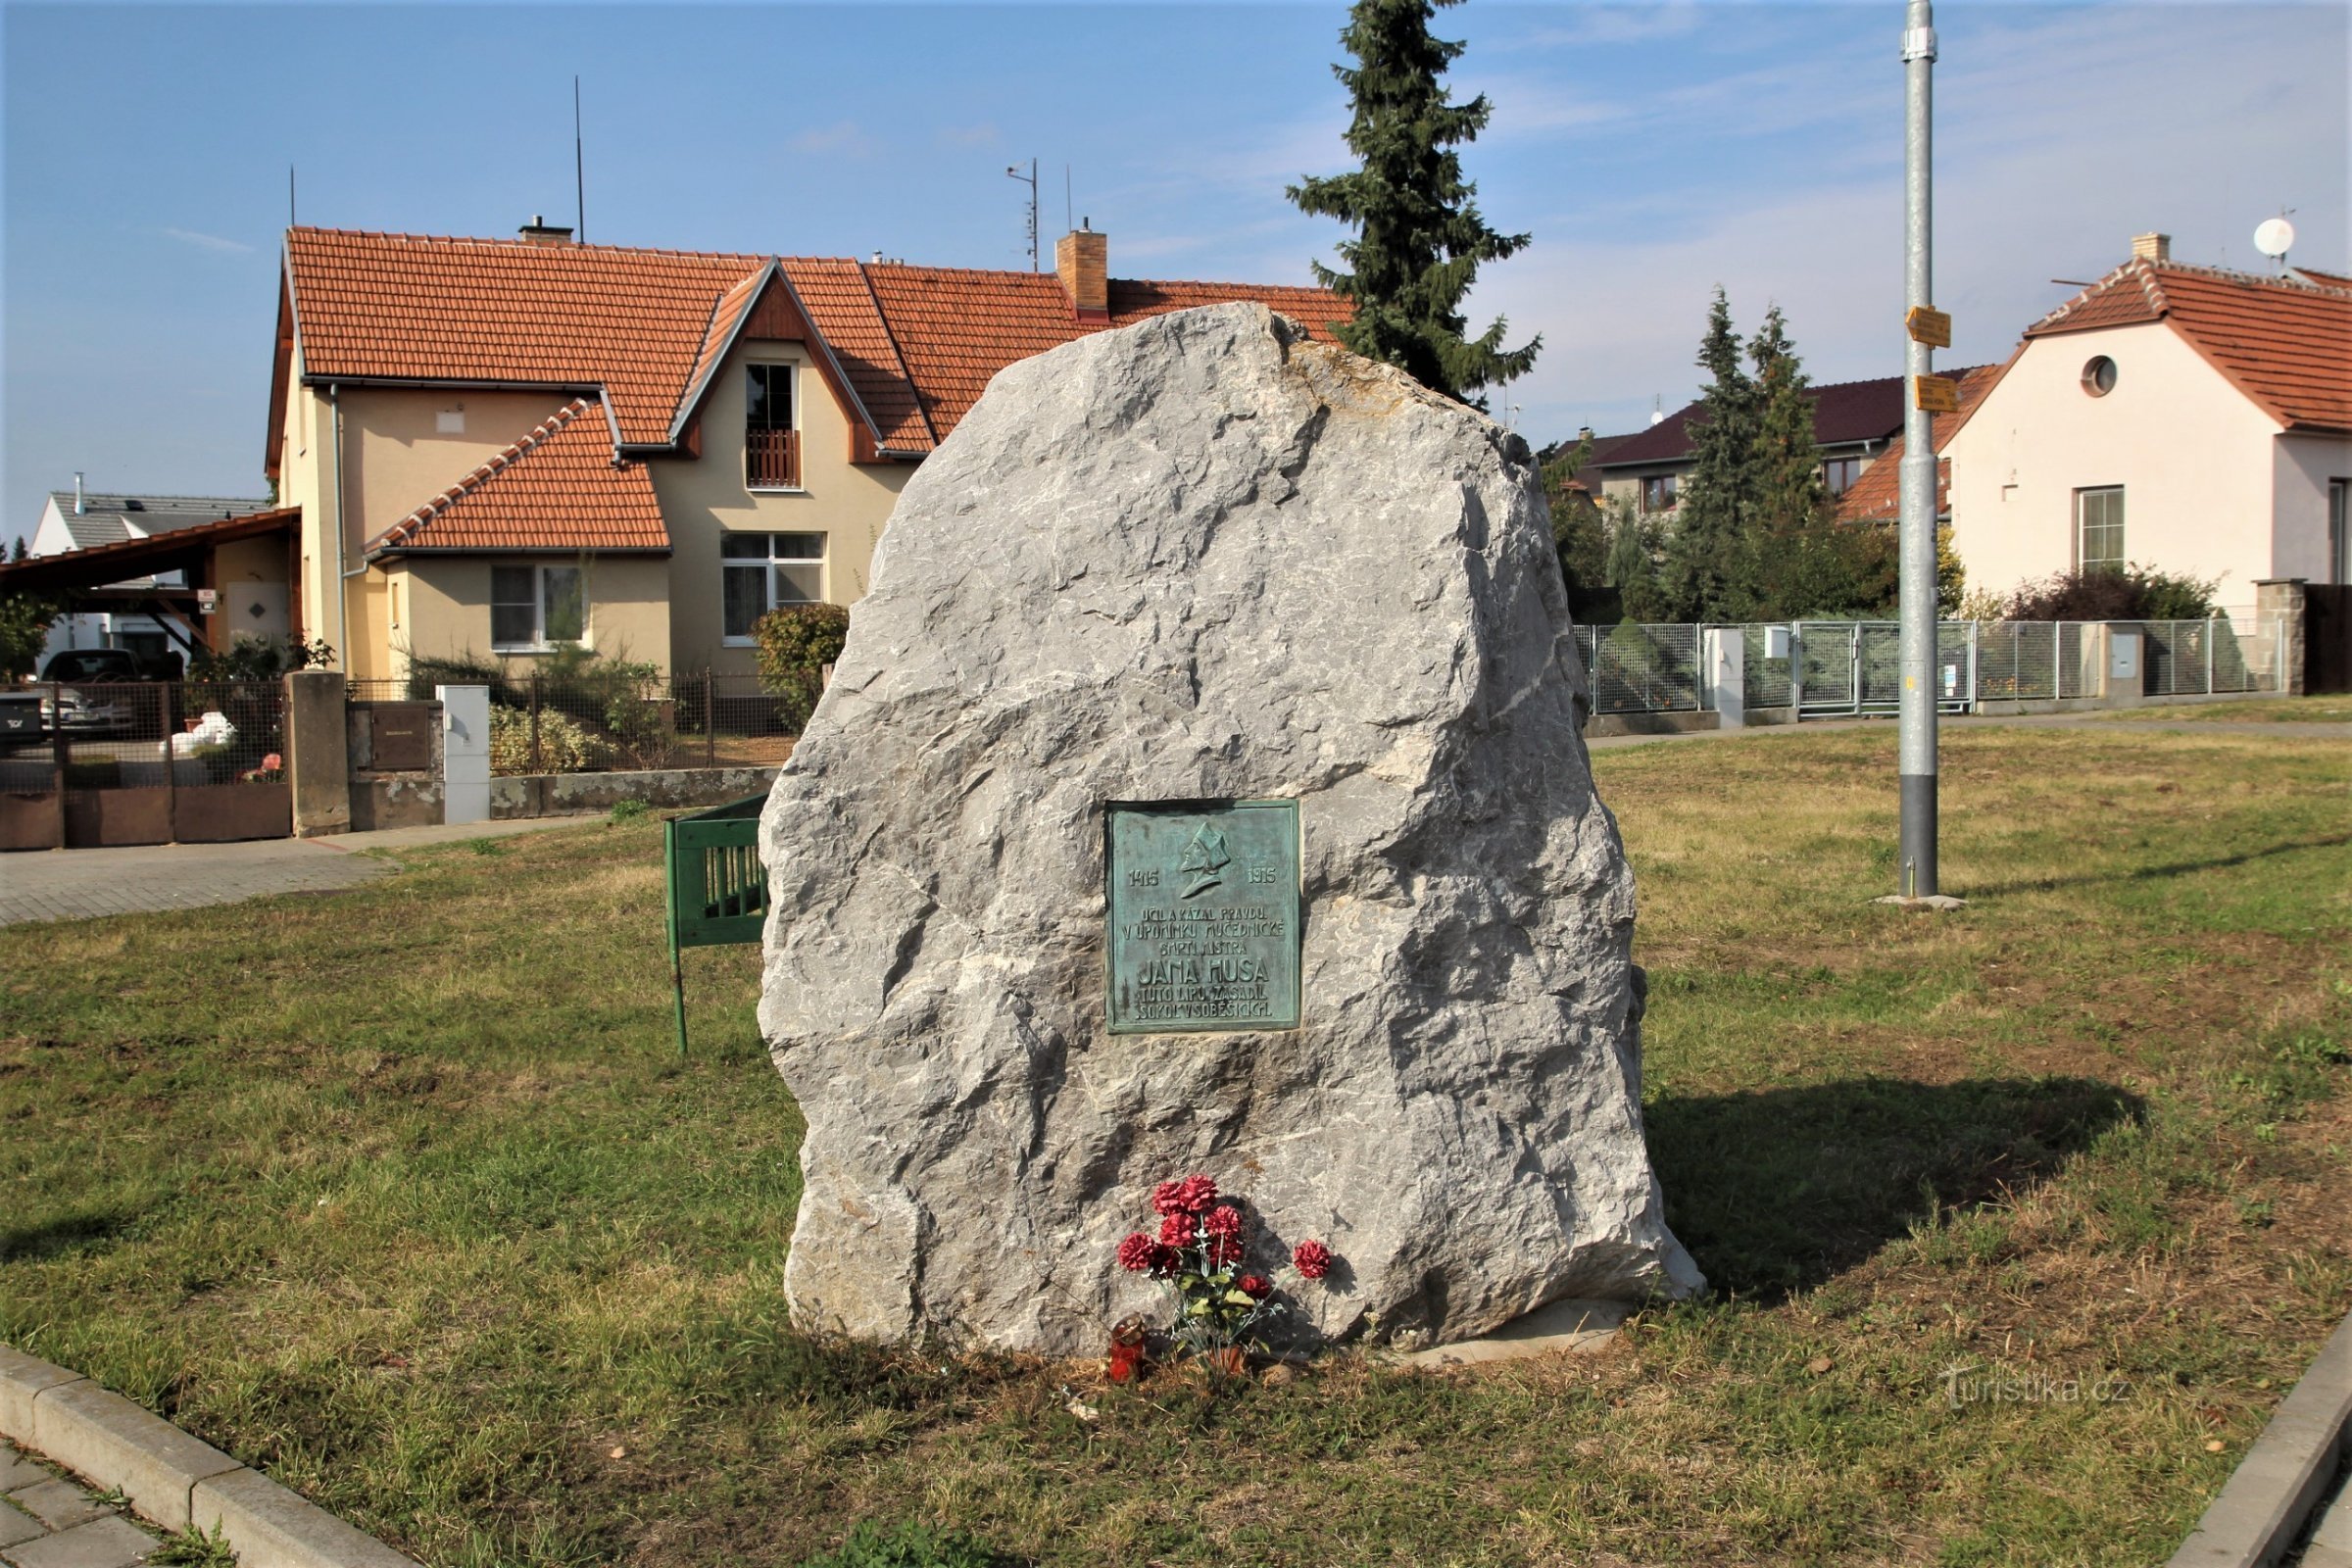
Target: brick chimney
(1082, 257)
(2151, 247)
(539, 231)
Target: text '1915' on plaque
(1203, 915)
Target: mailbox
(1776, 642)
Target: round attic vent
(2098, 376)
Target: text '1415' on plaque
(1203, 915)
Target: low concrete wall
(575, 794)
(1683, 723)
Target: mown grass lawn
(404, 1196)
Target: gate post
(318, 752)
(464, 753)
(1727, 674)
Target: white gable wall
(2299, 516)
(2198, 462)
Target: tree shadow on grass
(1774, 1190)
(72, 1233)
(2153, 873)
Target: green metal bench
(717, 888)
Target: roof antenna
(1013, 171)
(289, 195)
(1658, 407)
(579, 168)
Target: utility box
(464, 753)
(2124, 662)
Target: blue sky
(1653, 151)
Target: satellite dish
(2275, 237)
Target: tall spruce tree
(1711, 566)
(1419, 236)
(1786, 465)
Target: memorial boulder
(1199, 792)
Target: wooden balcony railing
(772, 458)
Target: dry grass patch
(404, 1196)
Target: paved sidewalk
(1955, 723)
(49, 1522)
(77, 883)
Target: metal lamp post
(1917, 609)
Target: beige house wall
(704, 498)
(249, 574)
(667, 612)
(2299, 515)
(2195, 455)
(442, 607)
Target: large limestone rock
(1204, 558)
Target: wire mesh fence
(123, 735)
(1855, 666)
(1636, 668)
(617, 722)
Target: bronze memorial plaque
(1203, 914)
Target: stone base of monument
(1940, 903)
(1566, 1325)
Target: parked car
(76, 692)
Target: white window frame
(768, 567)
(2083, 497)
(539, 576)
(792, 383)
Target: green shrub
(565, 745)
(2135, 592)
(629, 811)
(796, 643)
(909, 1546)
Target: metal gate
(145, 763)
(1855, 666)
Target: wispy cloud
(1613, 25)
(209, 242)
(984, 134)
(841, 136)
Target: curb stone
(2270, 1496)
(170, 1476)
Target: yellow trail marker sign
(1937, 394)
(1928, 325)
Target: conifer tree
(1786, 466)
(1419, 237)
(1631, 570)
(1709, 569)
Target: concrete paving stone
(17, 1471)
(113, 1444)
(15, 1524)
(59, 1504)
(23, 1378)
(109, 1543)
(273, 1528)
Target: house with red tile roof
(1853, 425)
(501, 447)
(2180, 417)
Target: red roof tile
(1877, 497)
(490, 312)
(2285, 342)
(557, 488)
(916, 345)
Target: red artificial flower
(1223, 1251)
(1176, 1230)
(1254, 1286)
(1195, 1193)
(1313, 1260)
(1224, 1221)
(1139, 1253)
(1166, 1199)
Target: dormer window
(771, 443)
